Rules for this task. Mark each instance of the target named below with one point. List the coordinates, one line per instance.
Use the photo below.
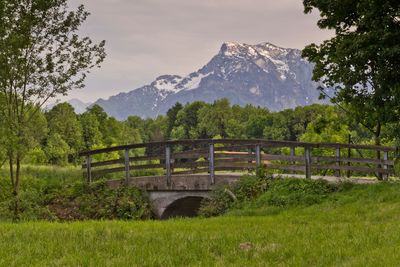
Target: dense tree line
(56, 136)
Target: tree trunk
(15, 173)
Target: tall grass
(358, 227)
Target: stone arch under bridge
(169, 204)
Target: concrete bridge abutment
(169, 204)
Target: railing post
(89, 168)
(211, 163)
(126, 156)
(307, 157)
(337, 172)
(258, 156)
(168, 164)
(385, 165)
(292, 154)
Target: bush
(54, 193)
(294, 192)
(98, 201)
(262, 191)
(250, 187)
(31, 200)
(217, 204)
(246, 189)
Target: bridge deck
(197, 182)
(184, 182)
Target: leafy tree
(214, 118)
(188, 118)
(137, 123)
(328, 127)
(57, 150)
(361, 62)
(172, 117)
(256, 124)
(155, 129)
(63, 121)
(91, 130)
(100, 115)
(41, 56)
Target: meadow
(357, 226)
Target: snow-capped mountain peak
(261, 74)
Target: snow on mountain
(262, 74)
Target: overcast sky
(149, 38)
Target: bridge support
(169, 204)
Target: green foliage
(249, 187)
(261, 191)
(328, 127)
(63, 121)
(397, 167)
(223, 198)
(214, 118)
(91, 132)
(35, 156)
(55, 193)
(361, 60)
(31, 202)
(99, 201)
(295, 192)
(172, 114)
(57, 150)
(217, 204)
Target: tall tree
(361, 62)
(171, 118)
(213, 119)
(63, 121)
(41, 56)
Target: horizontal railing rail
(211, 156)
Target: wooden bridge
(190, 168)
(214, 158)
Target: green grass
(356, 227)
(50, 174)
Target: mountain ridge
(263, 74)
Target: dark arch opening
(183, 207)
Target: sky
(149, 38)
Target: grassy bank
(356, 227)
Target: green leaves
(360, 61)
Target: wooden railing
(211, 157)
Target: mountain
(78, 105)
(263, 75)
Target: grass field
(359, 227)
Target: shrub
(249, 187)
(98, 201)
(293, 192)
(217, 204)
(246, 189)
(54, 193)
